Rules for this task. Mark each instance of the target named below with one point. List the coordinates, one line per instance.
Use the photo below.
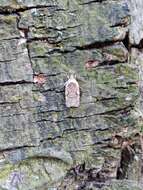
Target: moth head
(72, 75)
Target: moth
(72, 92)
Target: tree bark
(43, 143)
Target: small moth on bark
(72, 92)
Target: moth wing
(72, 89)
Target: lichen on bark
(43, 143)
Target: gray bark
(43, 143)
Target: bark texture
(45, 145)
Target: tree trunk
(98, 143)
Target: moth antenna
(68, 76)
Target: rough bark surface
(43, 144)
